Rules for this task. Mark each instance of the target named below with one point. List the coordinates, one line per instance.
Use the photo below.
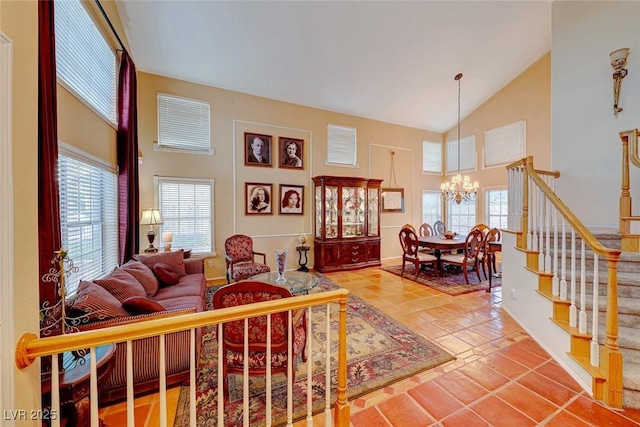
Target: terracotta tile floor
(500, 377)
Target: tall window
(341, 145)
(186, 208)
(461, 216)
(431, 206)
(497, 208)
(184, 124)
(88, 215)
(85, 62)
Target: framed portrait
(291, 199)
(392, 200)
(257, 149)
(258, 198)
(291, 153)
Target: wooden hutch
(346, 223)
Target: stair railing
(544, 222)
(630, 240)
(30, 347)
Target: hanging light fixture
(459, 188)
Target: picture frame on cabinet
(392, 200)
(291, 199)
(257, 149)
(291, 152)
(258, 198)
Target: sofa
(146, 287)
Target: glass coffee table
(298, 282)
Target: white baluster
(309, 351)
(573, 314)
(163, 381)
(530, 221)
(192, 378)
(245, 375)
(55, 390)
(290, 362)
(547, 244)
(327, 371)
(269, 396)
(582, 325)
(595, 348)
(221, 360)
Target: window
(462, 216)
(184, 124)
(497, 208)
(467, 154)
(431, 157)
(186, 208)
(85, 62)
(505, 144)
(431, 206)
(341, 145)
(88, 215)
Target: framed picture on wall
(392, 200)
(291, 153)
(258, 198)
(291, 199)
(257, 149)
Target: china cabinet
(346, 223)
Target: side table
(302, 250)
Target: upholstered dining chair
(240, 258)
(482, 227)
(409, 243)
(253, 291)
(439, 228)
(470, 255)
(493, 235)
(426, 230)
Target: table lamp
(151, 217)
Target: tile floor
(500, 377)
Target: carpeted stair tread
(631, 376)
(629, 338)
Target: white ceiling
(392, 61)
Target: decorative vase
(281, 262)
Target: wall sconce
(618, 62)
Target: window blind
(85, 62)
(505, 144)
(467, 154)
(341, 145)
(187, 211)
(431, 157)
(88, 216)
(183, 124)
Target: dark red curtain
(49, 239)
(128, 191)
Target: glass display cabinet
(346, 223)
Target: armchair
(470, 256)
(247, 292)
(240, 258)
(410, 253)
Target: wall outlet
(209, 263)
(513, 294)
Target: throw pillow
(144, 275)
(121, 285)
(141, 305)
(175, 260)
(165, 274)
(96, 303)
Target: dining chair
(482, 227)
(439, 228)
(409, 243)
(233, 336)
(470, 255)
(240, 258)
(409, 226)
(486, 259)
(426, 230)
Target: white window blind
(186, 208)
(341, 145)
(431, 157)
(88, 216)
(184, 124)
(505, 144)
(467, 154)
(85, 62)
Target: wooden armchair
(240, 258)
(410, 253)
(486, 260)
(439, 228)
(248, 292)
(470, 256)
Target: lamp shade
(150, 217)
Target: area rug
(449, 283)
(380, 351)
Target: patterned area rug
(450, 283)
(380, 352)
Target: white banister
(269, 379)
(595, 348)
(327, 373)
(163, 380)
(583, 292)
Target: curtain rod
(113, 30)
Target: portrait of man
(291, 199)
(258, 198)
(291, 153)
(257, 149)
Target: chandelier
(459, 189)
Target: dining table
(440, 243)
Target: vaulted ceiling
(393, 61)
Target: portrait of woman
(291, 153)
(258, 198)
(291, 199)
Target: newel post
(341, 409)
(610, 356)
